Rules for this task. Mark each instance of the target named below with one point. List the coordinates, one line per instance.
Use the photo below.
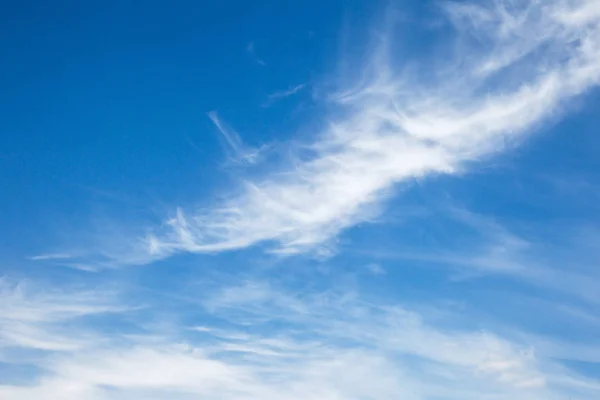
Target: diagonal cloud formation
(517, 65)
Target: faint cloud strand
(252, 51)
(241, 153)
(51, 256)
(273, 97)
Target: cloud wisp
(328, 345)
(252, 51)
(51, 256)
(517, 66)
(273, 97)
(240, 152)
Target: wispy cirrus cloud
(36, 320)
(517, 65)
(316, 345)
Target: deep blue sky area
(111, 97)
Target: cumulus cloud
(516, 65)
(329, 345)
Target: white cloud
(317, 345)
(518, 65)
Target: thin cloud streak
(252, 51)
(273, 97)
(287, 93)
(51, 256)
(241, 153)
(395, 130)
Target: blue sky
(340, 200)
